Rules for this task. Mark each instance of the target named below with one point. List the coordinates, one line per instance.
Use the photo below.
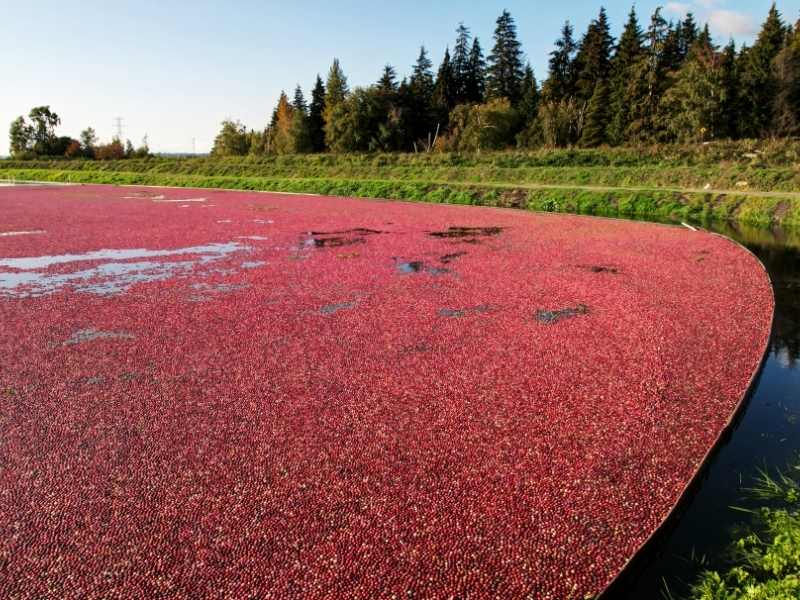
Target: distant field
(756, 184)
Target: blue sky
(174, 69)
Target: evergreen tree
(560, 82)
(316, 118)
(444, 92)
(504, 73)
(629, 53)
(730, 84)
(387, 84)
(759, 85)
(335, 94)
(593, 61)
(786, 66)
(476, 74)
(687, 35)
(461, 64)
(299, 131)
(597, 114)
(693, 108)
(419, 116)
(648, 81)
(529, 103)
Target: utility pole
(118, 127)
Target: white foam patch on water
(112, 277)
(15, 233)
(263, 222)
(252, 237)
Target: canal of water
(765, 436)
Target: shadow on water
(765, 434)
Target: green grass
(766, 560)
(655, 203)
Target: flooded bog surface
(352, 398)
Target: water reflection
(766, 434)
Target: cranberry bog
(219, 394)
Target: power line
(118, 127)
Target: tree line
(38, 138)
(662, 82)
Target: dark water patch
(330, 309)
(467, 232)
(601, 269)
(461, 312)
(414, 266)
(91, 334)
(448, 258)
(358, 231)
(451, 313)
(333, 241)
(554, 316)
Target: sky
(174, 69)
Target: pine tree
(335, 94)
(316, 118)
(504, 73)
(444, 89)
(730, 84)
(461, 64)
(560, 84)
(786, 67)
(629, 53)
(387, 84)
(529, 102)
(593, 61)
(299, 130)
(420, 114)
(648, 81)
(596, 120)
(476, 77)
(759, 85)
(687, 35)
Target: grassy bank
(745, 207)
(765, 561)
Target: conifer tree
(335, 94)
(629, 53)
(529, 102)
(316, 118)
(299, 131)
(420, 115)
(444, 92)
(476, 74)
(786, 67)
(596, 120)
(282, 139)
(687, 35)
(593, 61)
(504, 72)
(759, 85)
(730, 84)
(460, 62)
(560, 84)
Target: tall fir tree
(648, 81)
(759, 85)
(730, 84)
(786, 67)
(476, 74)
(560, 84)
(335, 95)
(444, 92)
(420, 116)
(387, 84)
(687, 35)
(593, 60)
(505, 72)
(629, 53)
(529, 102)
(300, 133)
(460, 62)
(595, 124)
(316, 116)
